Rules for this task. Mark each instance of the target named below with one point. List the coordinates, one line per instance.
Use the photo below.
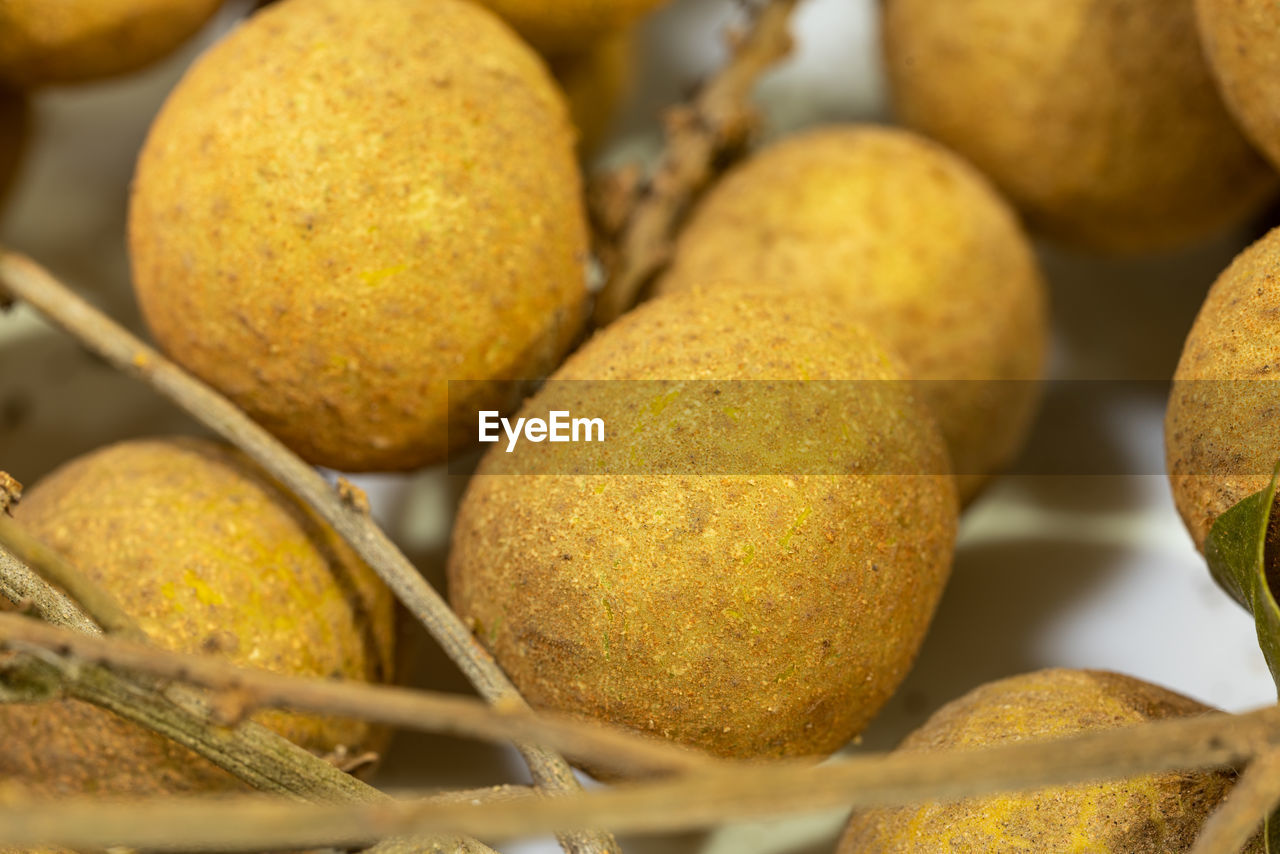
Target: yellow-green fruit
(13, 136)
(1222, 433)
(343, 206)
(916, 245)
(595, 81)
(1098, 118)
(1242, 39)
(206, 553)
(569, 25)
(1155, 814)
(680, 587)
(68, 41)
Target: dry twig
(692, 801)
(30, 592)
(27, 281)
(253, 753)
(716, 124)
(249, 690)
(53, 568)
(637, 221)
(250, 751)
(1255, 795)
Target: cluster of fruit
(344, 206)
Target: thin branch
(1254, 796)
(251, 752)
(693, 801)
(30, 592)
(27, 281)
(487, 795)
(100, 605)
(638, 221)
(241, 691)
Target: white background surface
(1089, 571)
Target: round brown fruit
(206, 553)
(343, 206)
(569, 25)
(1241, 39)
(76, 40)
(1155, 814)
(916, 245)
(689, 584)
(1099, 119)
(1222, 435)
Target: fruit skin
(595, 81)
(1099, 119)
(1240, 39)
(205, 552)
(916, 245)
(1222, 437)
(15, 120)
(569, 25)
(343, 206)
(71, 41)
(1156, 814)
(751, 615)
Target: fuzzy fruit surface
(569, 25)
(1156, 814)
(751, 615)
(1100, 120)
(1222, 433)
(343, 206)
(1242, 39)
(916, 245)
(70, 41)
(207, 554)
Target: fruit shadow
(1125, 318)
(1002, 595)
(57, 401)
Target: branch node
(353, 496)
(351, 763)
(10, 492)
(704, 136)
(231, 707)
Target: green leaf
(1236, 552)
(1271, 834)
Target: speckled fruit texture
(344, 205)
(1157, 814)
(1098, 118)
(569, 25)
(916, 245)
(1242, 41)
(750, 615)
(68, 41)
(207, 554)
(1222, 433)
